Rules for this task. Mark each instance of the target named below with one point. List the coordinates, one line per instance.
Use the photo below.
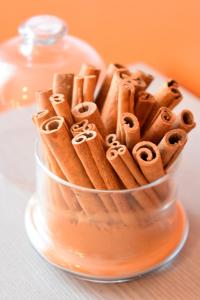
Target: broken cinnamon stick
(89, 70)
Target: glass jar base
(41, 242)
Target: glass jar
(28, 61)
(105, 246)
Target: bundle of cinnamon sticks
(110, 137)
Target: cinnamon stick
(129, 130)
(106, 84)
(125, 103)
(185, 120)
(144, 106)
(147, 78)
(149, 160)
(114, 157)
(162, 122)
(65, 195)
(43, 101)
(110, 107)
(94, 171)
(63, 84)
(110, 139)
(89, 70)
(171, 145)
(89, 86)
(169, 95)
(56, 136)
(77, 95)
(62, 108)
(89, 111)
(79, 127)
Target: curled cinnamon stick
(185, 120)
(43, 101)
(149, 160)
(162, 122)
(125, 103)
(171, 145)
(93, 169)
(63, 84)
(113, 155)
(110, 138)
(59, 142)
(144, 106)
(62, 108)
(129, 130)
(110, 107)
(79, 127)
(65, 195)
(89, 111)
(106, 84)
(169, 95)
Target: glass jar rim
(85, 189)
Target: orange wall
(165, 34)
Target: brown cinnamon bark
(110, 138)
(147, 78)
(89, 70)
(106, 84)
(129, 130)
(125, 103)
(64, 195)
(89, 111)
(149, 160)
(56, 136)
(79, 127)
(185, 120)
(144, 106)
(63, 84)
(162, 122)
(62, 108)
(89, 86)
(77, 95)
(114, 157)
(169, 95)
(171, 145)
(93, 170)
(110, 107)
(43, 101)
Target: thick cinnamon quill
(144, 106)
(129, 130)
(185, 120)
(62, 108)
(43, 101)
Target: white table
(24, 275)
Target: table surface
(25, 275)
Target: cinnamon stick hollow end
(79, 127)
(171, 145)
(148, 157)
(87, 69)
(61, 107)
(130, 130)
(89, 111)
(147, 78)
(110, 138)
(185, 120)
(43, 101)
